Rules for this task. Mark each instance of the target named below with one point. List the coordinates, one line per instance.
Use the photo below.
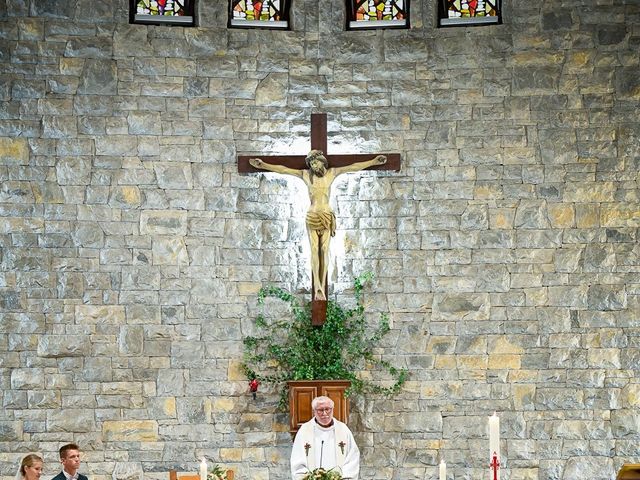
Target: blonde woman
(30, 467)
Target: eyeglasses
(324, 410)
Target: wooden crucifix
(318, 172)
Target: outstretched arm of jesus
(262, 165)
(356, 167)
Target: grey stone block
(96, 47)
(11, 431)
(99, 77)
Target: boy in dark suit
(70, 459)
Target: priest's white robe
(327, 447)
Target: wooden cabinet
(301, 392)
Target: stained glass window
(259, 14)
(469, 12)
(378, 14)
(169, 12)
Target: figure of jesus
(320, 219)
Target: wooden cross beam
(294, 164)
(319, 142)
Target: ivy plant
(342, 348)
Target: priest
(324, 442)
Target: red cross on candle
(495, 464)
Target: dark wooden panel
(341, 407)
(300, 397)
(319, 132)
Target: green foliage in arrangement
(217, 473)
(292, 349)
(322, 474)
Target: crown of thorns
(316, 155)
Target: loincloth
(322, 221)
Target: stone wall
(505, 250)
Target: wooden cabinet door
(302, 392)
(336, 393)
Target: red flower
(253, 385)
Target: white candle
(443, 470)
(494, 438)
(203, 469)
